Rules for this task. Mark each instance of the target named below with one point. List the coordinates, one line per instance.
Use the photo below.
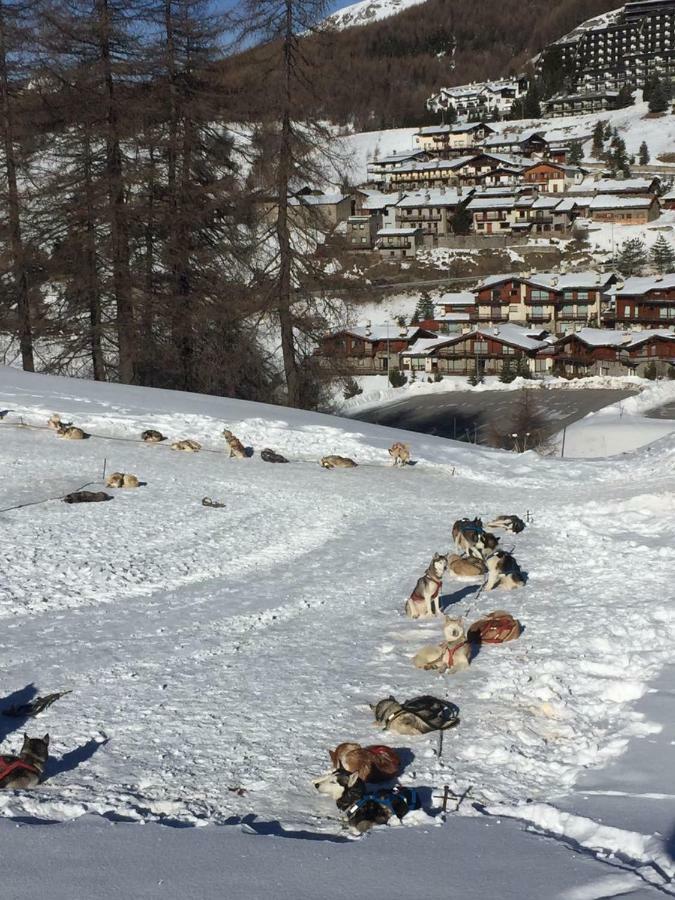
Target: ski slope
(215, 654)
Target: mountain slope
(368, 11)
(379, 75)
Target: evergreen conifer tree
(644, 154)
(663, 255)
(632, 257)
(576, 153)
(659, 98)
(598, 147)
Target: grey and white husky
(26, 769)
(423, 602)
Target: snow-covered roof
(435, 129)
(491, 203)
(567, 204)
(435, 165)
(587, 280)
(637, 286)
(614, 186)
(452, 317)
(605, 337)
(511, 138)
(460, 298)
(382, 332)
(393, 158)
(317, 199)
(613, 201)
(515, 335)
(433, 197)
(546, 203)
(397, 232)
(379, 200)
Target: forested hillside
(379, 75)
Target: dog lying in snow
(453, 655)
(503, 572)
(122, 480)
(87, 497)
(152, 437)
(236, 448)
(188, 446)
(341, 786)
(54, 422)
(400, 454)
(512, 524)
(26, 769)
(377, 807)
(471, 538)
(337, 462)
(70, 432)
(271, 456)
(466, 566)
(423, 602)
(420, 715)
(374, 763)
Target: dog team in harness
(356, 768)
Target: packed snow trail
(215, 655)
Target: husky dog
(337, 462)
(466, 566)
(152, 437)
(374, 763)
(400, 454)
(503, 572)
(343, 787)
(512, 524)
(86, 497)
(121, 480)
(378, 807)
(453, 655)
(26, 769)
(271, 456)
(189, 446)
(417, 716)
(472, 539)
(423, 602)
(237, 449)
(70, 432)
(54, 422)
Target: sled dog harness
(416, 598)
(8, 766)
(412, 801)
(450, 658)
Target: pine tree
(663, 255)
(632, 257)
(462, 220)
(644, 154)
(506, 376)
(607, 133)
(625, 97)
(659, 98)
(649, 86)
(531, 105)
(576, 153)
(598, 147)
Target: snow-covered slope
(367, 11)
(215, 654)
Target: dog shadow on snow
(10, 724)
(73, 758)
(447, 601)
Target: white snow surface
(367, 11)
(215, 655)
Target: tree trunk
(14, 215)
(91, 267)
(284, 282)
(119, 232)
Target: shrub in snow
(438, 377)
(351, 389)
(650, 371)
(397, 378)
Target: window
(496, 294)
(666, 312)
(567, 312)
(582, 295)
(539, 296)
(537, 312)
(480, 347)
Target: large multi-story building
(623, 47)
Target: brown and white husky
(26, 769)
(423, 602)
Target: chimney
(369, 330)
(495, 330)
(658, 277)
(555, 280)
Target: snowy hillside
(368, 11)
(215, 654)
